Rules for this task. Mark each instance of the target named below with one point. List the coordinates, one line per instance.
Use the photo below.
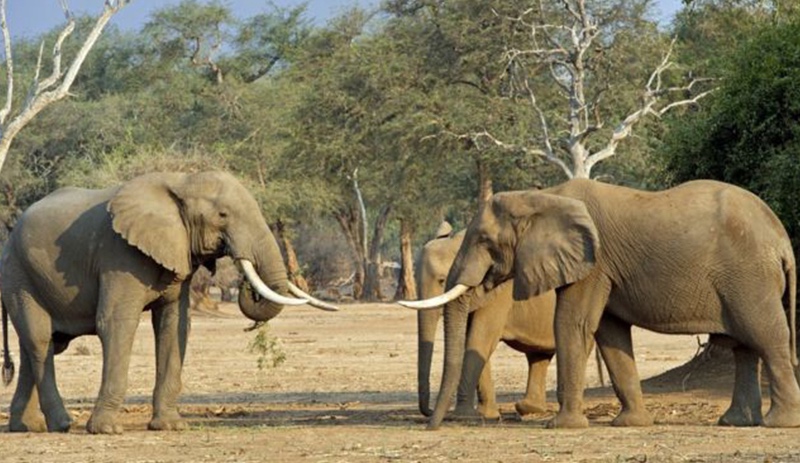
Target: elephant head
(185, 220)
(539, 240)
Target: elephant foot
(103, 423)
(782, 417)
(631, 418)
(489, 412)
(27, 424)
(60, 423)
(736, 416)
(465, 411)
(170, 422)
(567, 420)
(530, 407)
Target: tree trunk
(406, 285)
(485, 187)
(292, 264)
(200, 291)
(226, 295)
(372, 283)
(53, 88)
(348, 222)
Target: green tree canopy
(748, 134)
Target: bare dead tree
(569, 51)
(44, 91)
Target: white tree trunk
(53, 88)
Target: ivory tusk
(312, 301)
(437, 301)
(262, 288)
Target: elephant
(82, 261)
(526, 326)
(701, 257)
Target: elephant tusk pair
(262, 289)
(267, 293)
(312, 301)
(438, 301)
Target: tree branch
(548, 155)
(9, 63)
(56, 74)
(41, 95)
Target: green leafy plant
(267, 347)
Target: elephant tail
(790, 301)
(8, 364)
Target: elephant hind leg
(745, 409)
(24, 413)
(784, 411)
(34, 328)
(766, 332)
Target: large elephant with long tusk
(90, 261)
(703, 257)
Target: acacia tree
(45, 90)
(748, 133)
(563, 62)
(192, 30)
(334, 138)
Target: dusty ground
(346, 393)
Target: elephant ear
(146, 213)
(444, 230)
(557, 242)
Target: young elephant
(704, 257)
(526, 326)
(90, 261)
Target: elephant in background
(526, 326)
(703, 257)
(84, 262)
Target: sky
(27, 18)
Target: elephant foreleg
(487, 398)
(116, 327)
(485, 330)
(535, 400)
(615, 343)
(170, 325)
(472, 369)
(578, 313)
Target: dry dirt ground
(346, 393)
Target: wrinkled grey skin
(704, 257)
(526, 326)
(90, 261)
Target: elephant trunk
(456, 314)
(270, 269)
(427, 322)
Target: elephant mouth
(208, 259)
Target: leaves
(749, 134)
